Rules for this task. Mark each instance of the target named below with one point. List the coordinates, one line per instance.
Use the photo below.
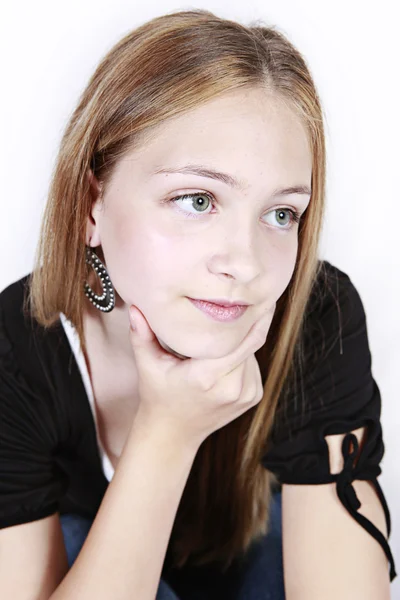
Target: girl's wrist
(166, 437)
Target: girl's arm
(326, 554)
(123, 554)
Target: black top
(49, 457)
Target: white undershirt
(73, 339)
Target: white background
(49, 50)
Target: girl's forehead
(238, 108)
(233, 140)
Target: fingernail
(131, 318)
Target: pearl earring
(106, 301)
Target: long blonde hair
(163, 68)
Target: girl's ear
(95, 186)
(92, 228)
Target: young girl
(161, 458)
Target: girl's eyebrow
(204, 171)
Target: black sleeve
(30, 486)
(333, 391)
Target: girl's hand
(195, 397)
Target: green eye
(198, 199)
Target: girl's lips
(217, 312)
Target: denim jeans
(259, 576)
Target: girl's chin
(170, 350)
(182, 356)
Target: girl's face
(232, 236)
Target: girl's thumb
(134, 319)
(139, 326)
